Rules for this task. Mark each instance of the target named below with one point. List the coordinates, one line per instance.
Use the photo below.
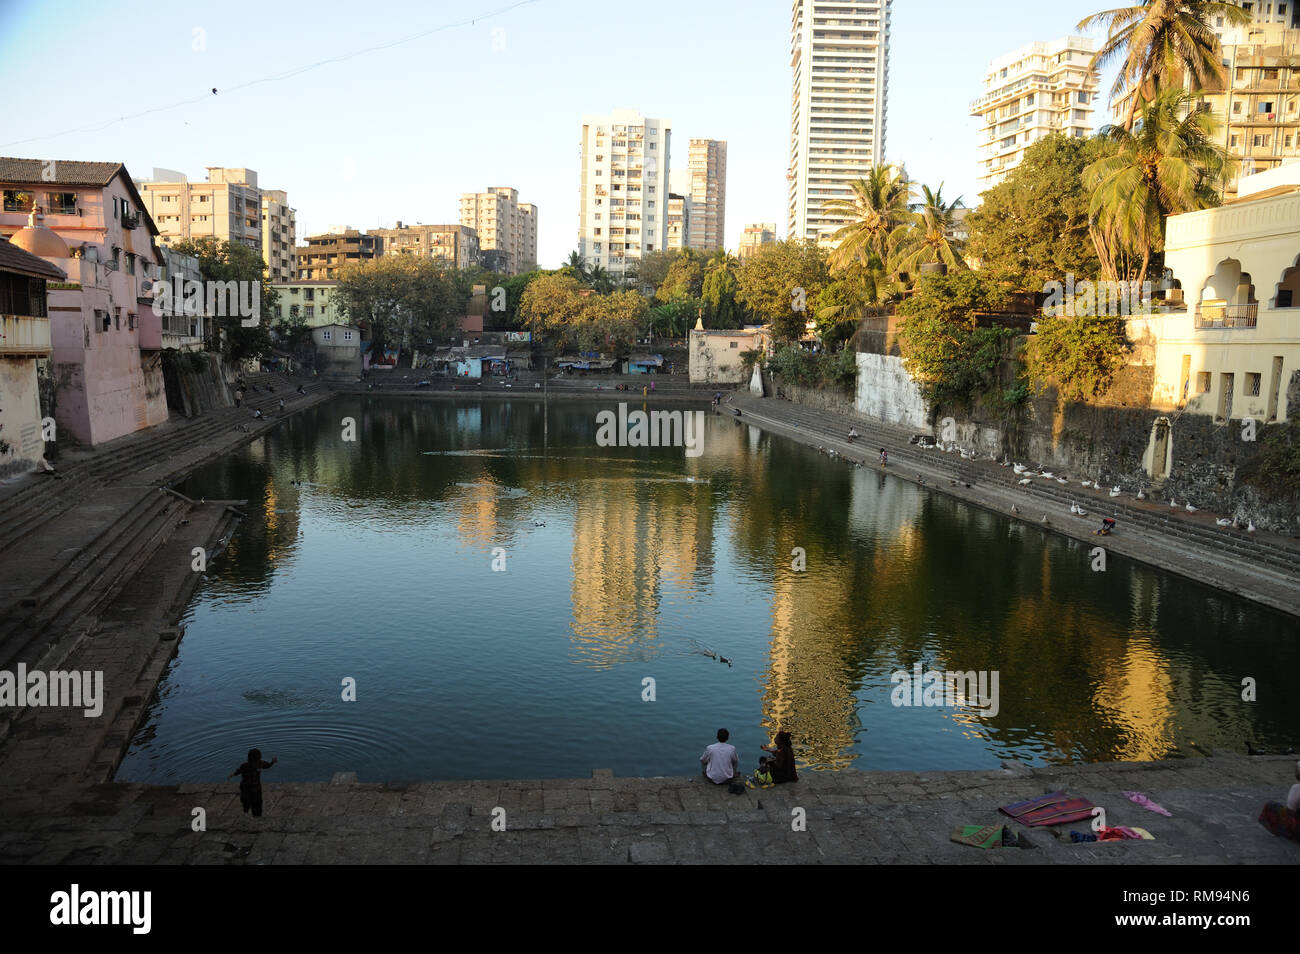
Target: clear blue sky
(400, 133)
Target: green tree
(401, 299)
(1032, 227)
(780, 283)
(653, 268)
(576, 265)
(877, 207)
(1079, 355)
(1162, 45)
(953, 360)
(1168, 163)
(928, 238)
(685, 278)
(233, 261)
(552, 305)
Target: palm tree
(576, 262)
(1168, 163)
(878, 206)
(1161, 45)
(599, 278)
(929, 237)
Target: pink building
(87, 219)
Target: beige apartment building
(279, 235)
(1035, 91)
(457, 245)
(325, 255)
(707, 165)
(839, 59)
(754, 237)
(623, 198)
(228, 207)
(506, 228)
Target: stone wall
(886, 392)
(195, 382)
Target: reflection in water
(373, 559)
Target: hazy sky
(370, 136)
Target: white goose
(1115, 491)
(1024, 482)
(1223, 522)
(1189, 508)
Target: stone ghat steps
(1275, 556)
(43, 636)
(42, 501)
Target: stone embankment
(1261, 567)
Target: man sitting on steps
(720, 762)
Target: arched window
(1227, 298)
(1288, 289)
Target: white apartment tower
(1038, 90)
(840, 60)
(507, 229)
(623, 205)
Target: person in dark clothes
(781, 764)
(239, 396)
(250, 782)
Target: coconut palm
(877, 207)
(1168, 163)
(599, 278)
(578, 264)
(928, 237)
(1162, 44)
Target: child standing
(250, 782)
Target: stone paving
(849, 817)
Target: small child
(250, 783)
(763, 774)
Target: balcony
(1226, 316)
(24, 335)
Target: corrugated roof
(15, 259)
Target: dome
(40, 241)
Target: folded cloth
(1111, 834)
(1082, 836)
(1139, 799)
(979, 836)
(1054, 808)
(1140, 833)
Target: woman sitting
(781, 764)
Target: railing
(1227, 316)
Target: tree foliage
(233, 261)
(558, 306)
(1032, 227)
(401, 299)
(780, 283)
(953, 361)
(1079, 355)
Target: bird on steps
(1025, 482)
(1046, 522)
(1060, 480)
(1015, 509)
(1250, 526)
(1189, 508)
(1224, 522)
(1172, 503)
(1142, 495)
(1086, 484)
(1048, 474)
(1115, 491)
(1020, 468)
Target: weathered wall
(195, 382)
(841, 402)
(20, 416)
(886, 392)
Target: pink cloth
(1140, 799)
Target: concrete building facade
(279, 235)
(24, 343)
(105, 337)
(457, 245)
(228, 207)
(504, 226)
(707, 166)
(309, 299)
(325, 255)
(754, 237)
(1035, 91)
(839, 58)
(679, 220)
(623, 199)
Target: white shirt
(1293, 798)
(720, 761)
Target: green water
(623, 564)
